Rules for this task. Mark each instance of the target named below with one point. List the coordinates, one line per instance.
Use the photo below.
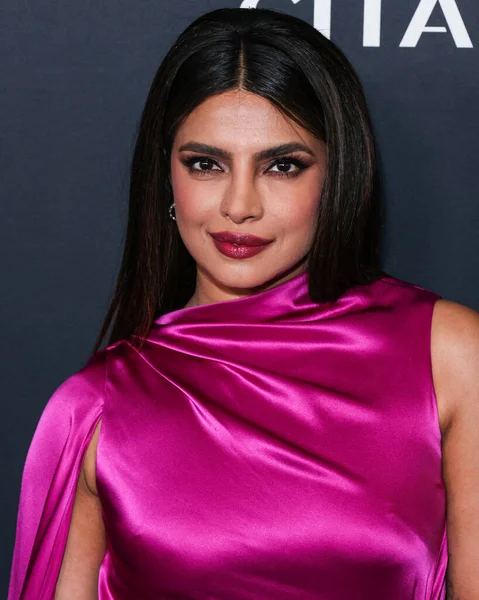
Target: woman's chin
(243, 282)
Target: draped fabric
(260, 448)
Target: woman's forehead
(240, 119)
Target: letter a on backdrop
(418, 25)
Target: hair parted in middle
(306, 77)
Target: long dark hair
(303, 74)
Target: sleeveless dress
(264, 448)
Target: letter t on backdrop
(372, 23)
(418, 25)
(322, 14)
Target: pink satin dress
(266, 448)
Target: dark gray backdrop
(74, 76)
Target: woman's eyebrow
(261, 155)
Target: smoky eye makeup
(278, 167)
(191, 160)
(288, 161)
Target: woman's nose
(241, 201)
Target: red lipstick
(239, 245)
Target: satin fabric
(261, 448)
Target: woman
(274, 417)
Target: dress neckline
(264, 304)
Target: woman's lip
(237, 250)
(239, 239)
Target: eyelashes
(284, 161)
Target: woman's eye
(201, 165)
(287, 167)
(282, 167)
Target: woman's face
(240, 168)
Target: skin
(245, 194)
(455, 364)
(86, 543)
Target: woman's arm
(86, 542)
(455, 363)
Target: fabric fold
(49, 481)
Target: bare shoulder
(455, 360)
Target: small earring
(170, 212)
